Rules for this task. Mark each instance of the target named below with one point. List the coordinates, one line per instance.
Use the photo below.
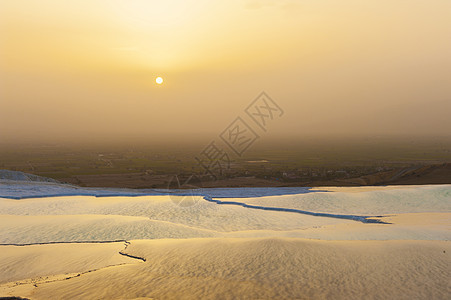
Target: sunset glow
(338, 60)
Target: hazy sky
(86, 69)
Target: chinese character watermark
(214, 161)
(239, 136)
(263, 109)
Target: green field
(302, 157)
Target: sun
(159, 80)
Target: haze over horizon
(85, 70)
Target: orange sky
(86, 69)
